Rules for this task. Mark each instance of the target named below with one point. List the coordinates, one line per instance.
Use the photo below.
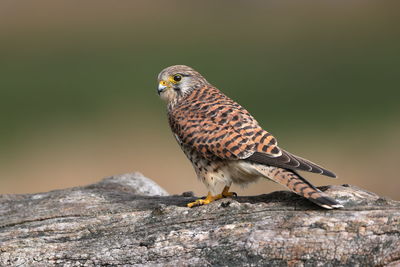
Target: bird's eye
(177, 77)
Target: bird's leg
(226, 193)
(210, 198)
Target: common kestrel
(226, 144)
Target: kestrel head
(177, 81)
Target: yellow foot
(205, 201)
(199, 202)
(210, 198)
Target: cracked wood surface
(116, 223)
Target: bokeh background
(78, 84)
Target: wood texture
(114, 223)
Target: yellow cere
(163, 83)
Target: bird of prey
(225, 144)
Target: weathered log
(116, 223)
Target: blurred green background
(78, 84)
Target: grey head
(178, 81)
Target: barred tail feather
(300, 186)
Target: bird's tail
(299, 185)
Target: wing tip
(284, 160)
(329, 174)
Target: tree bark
(120, 222)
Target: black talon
(233, 193)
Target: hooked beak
(161, 87)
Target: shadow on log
(121, 221)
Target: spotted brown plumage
(216, 126)
(225, 143)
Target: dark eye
(177, 78)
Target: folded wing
(217, 127)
